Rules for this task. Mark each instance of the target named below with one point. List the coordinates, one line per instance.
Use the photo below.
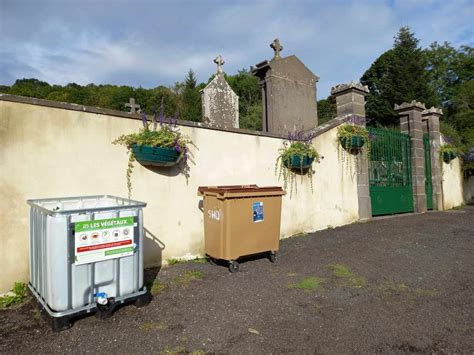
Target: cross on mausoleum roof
(220, 62)
(134, 108)
(277, 47)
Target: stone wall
(52, 149)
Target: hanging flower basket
(352, 143)
(448, 156)
(298, 162)
(449, 152)
(156, 156)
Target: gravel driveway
(398, 285)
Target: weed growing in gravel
(425, 293)
(344, 272)
(152, 326)
(173, 261)
(157, 287)
(389, 288)
(18, 295)
(341, 270)
(309, 283)
(199, 260)
(291, 274)
(173, 351)
(188, 277)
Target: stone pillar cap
(406, 106)
(341, 88)
(433, 111)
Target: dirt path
(403, 284)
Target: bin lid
(240, 190)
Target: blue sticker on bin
(257, 212)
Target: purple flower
(144, 119)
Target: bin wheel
(233, 266)
(272, 257)
(212, 261)
(60, 323)
(143, 300)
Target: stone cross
(220, 62)
(277, 47)
(134, 108)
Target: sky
(149, 43)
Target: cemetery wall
(453, 182)
(53, 149)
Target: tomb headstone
(134, 108)
(220, 104)
(288, 93)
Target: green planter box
(156, 156)
(448, 156)
(355, 143)
(295, 162)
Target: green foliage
(398, 75)
(165, 137)
(309, 283)
(300, 149)
(247, 87)
(19, 295)
(345, 133)
(191, 108)
(326, 110)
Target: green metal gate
(390, 172)
(428, 175)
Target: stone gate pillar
(411, 123)
(431, 123)
(350, 100)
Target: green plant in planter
(353, 139)
(165, 146)
(296, 157)
(449, 152)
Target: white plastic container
(78, 267)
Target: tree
(326, 109)
(247, 87)
(191, 108)
(398, 75)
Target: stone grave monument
(220, 104)
(288, 93)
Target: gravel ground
(392, 285)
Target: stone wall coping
(105, 111)
(433, 111)
(407, 106)
(352, 86)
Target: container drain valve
(101, 298)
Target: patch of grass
(173, 261)
(341, 270)
(302, 234)
(199, 260)
(152, 326)
(389, 288)
(357, 282)
(309, 283)
(458, 208)
(18, 296)
(198, 352)
(188, 277)
(157, 287)
(425, 293)
(292, 274)
(173, 351)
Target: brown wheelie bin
(241, 220)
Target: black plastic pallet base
(101, 312)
